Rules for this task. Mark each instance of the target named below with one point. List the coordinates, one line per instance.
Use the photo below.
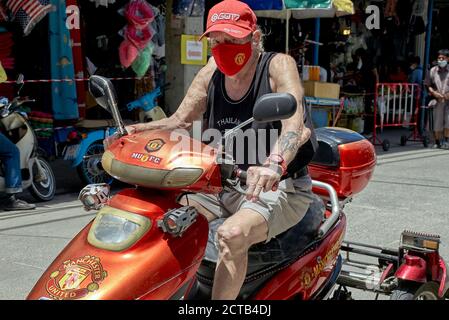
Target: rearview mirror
(274, 107)
(104, 93)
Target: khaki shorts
(287, 205)
(441, 116)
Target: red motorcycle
(144, 245)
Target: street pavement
(409, 190)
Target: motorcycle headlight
(181, 177)
(117, 230)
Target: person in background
(415, 76)
(437, 84)
(367, 78)
(10, 158)
(416, 71)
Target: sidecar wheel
(428, 291)
(413, 291)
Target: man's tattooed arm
(290, 140)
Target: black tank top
(223, 113)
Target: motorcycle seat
(264, 259)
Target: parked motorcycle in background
(37, 175)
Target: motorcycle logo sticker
(154, 145)
(146, 158)
(66, 282)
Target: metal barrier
(396, 105)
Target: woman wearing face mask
(437, 84)
(224, 93)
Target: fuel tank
(164, 160)
(123, 254)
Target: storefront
(57, 45)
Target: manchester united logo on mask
(240, 59)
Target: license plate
(71, 152)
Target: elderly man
(225, 90)
(437, 83)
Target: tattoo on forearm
(289, 142)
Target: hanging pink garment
(135, 41)
(139, 13)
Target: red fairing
(160, 152)
(155, 267)
(414, 269)
(304, 277)
(356, 167)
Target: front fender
(86, 142)
(413, 269)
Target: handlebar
(241, 175)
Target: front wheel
(412, 291)
(43, 186)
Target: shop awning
(301, 9)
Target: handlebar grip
(242, 175)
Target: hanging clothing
(64, 97)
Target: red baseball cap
(232, 17)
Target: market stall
(70, 40)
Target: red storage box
(345, 160)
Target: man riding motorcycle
(225, 91)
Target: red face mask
(231, 58)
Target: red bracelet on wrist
(278, 160)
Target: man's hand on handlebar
(262, 178)
(135, 128)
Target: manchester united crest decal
(154, 145)
(76, 278)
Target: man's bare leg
(237, 234)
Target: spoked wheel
(90, 169)
(43, 186)
(386, 145)
(412, 291)
(428, 291)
